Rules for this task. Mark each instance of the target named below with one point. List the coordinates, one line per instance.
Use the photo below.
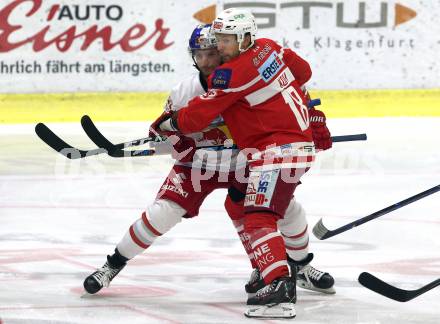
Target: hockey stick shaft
(375, 284)
(335, 139)
(59, 145)
(349, 138)
(116, 150)
(322, 233)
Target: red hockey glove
(155, 132)
(321, 134)
(184, 148)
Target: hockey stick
(375, 284)
(70, 152)
(349, 138)
(322, 233)
(114, 150)
(101, 141)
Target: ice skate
(101, 277)
(275, 300)
(254, 284)
(307, 278)
(312, 279)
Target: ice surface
(59, 218)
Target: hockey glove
(321, 134)
(162, 127)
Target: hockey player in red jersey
(178, 199)
(258, 94)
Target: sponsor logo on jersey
(264, 183)
(221, 78)
(270, 67)
(175, 189)
(251, 187)
(261, 54)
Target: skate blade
(283, 310)
(85, 295)
(329, 291)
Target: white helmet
(236, 22)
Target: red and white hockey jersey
(259, 97)
(215, 134)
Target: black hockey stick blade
(375, 284)
(322, 232)
(56, 143)
(114, 150)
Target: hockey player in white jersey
(185, 189)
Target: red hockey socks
(267, 245)
(236, 213)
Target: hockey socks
(267, 245)
(236, 212)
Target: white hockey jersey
(216, 134)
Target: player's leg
(158, 219)
(234, 207)
(175, 200)
(293, 228)
(265, 203)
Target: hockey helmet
(201, 38)
(238, 22)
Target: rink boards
(137, 106)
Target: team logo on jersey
(209, 95)
(221, 78)
(271, 66)
(283, 80)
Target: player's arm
(202, 110)
(197, 115)
(302, 72)
(300, 68)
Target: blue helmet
(201, 38)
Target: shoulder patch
(221, 78)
